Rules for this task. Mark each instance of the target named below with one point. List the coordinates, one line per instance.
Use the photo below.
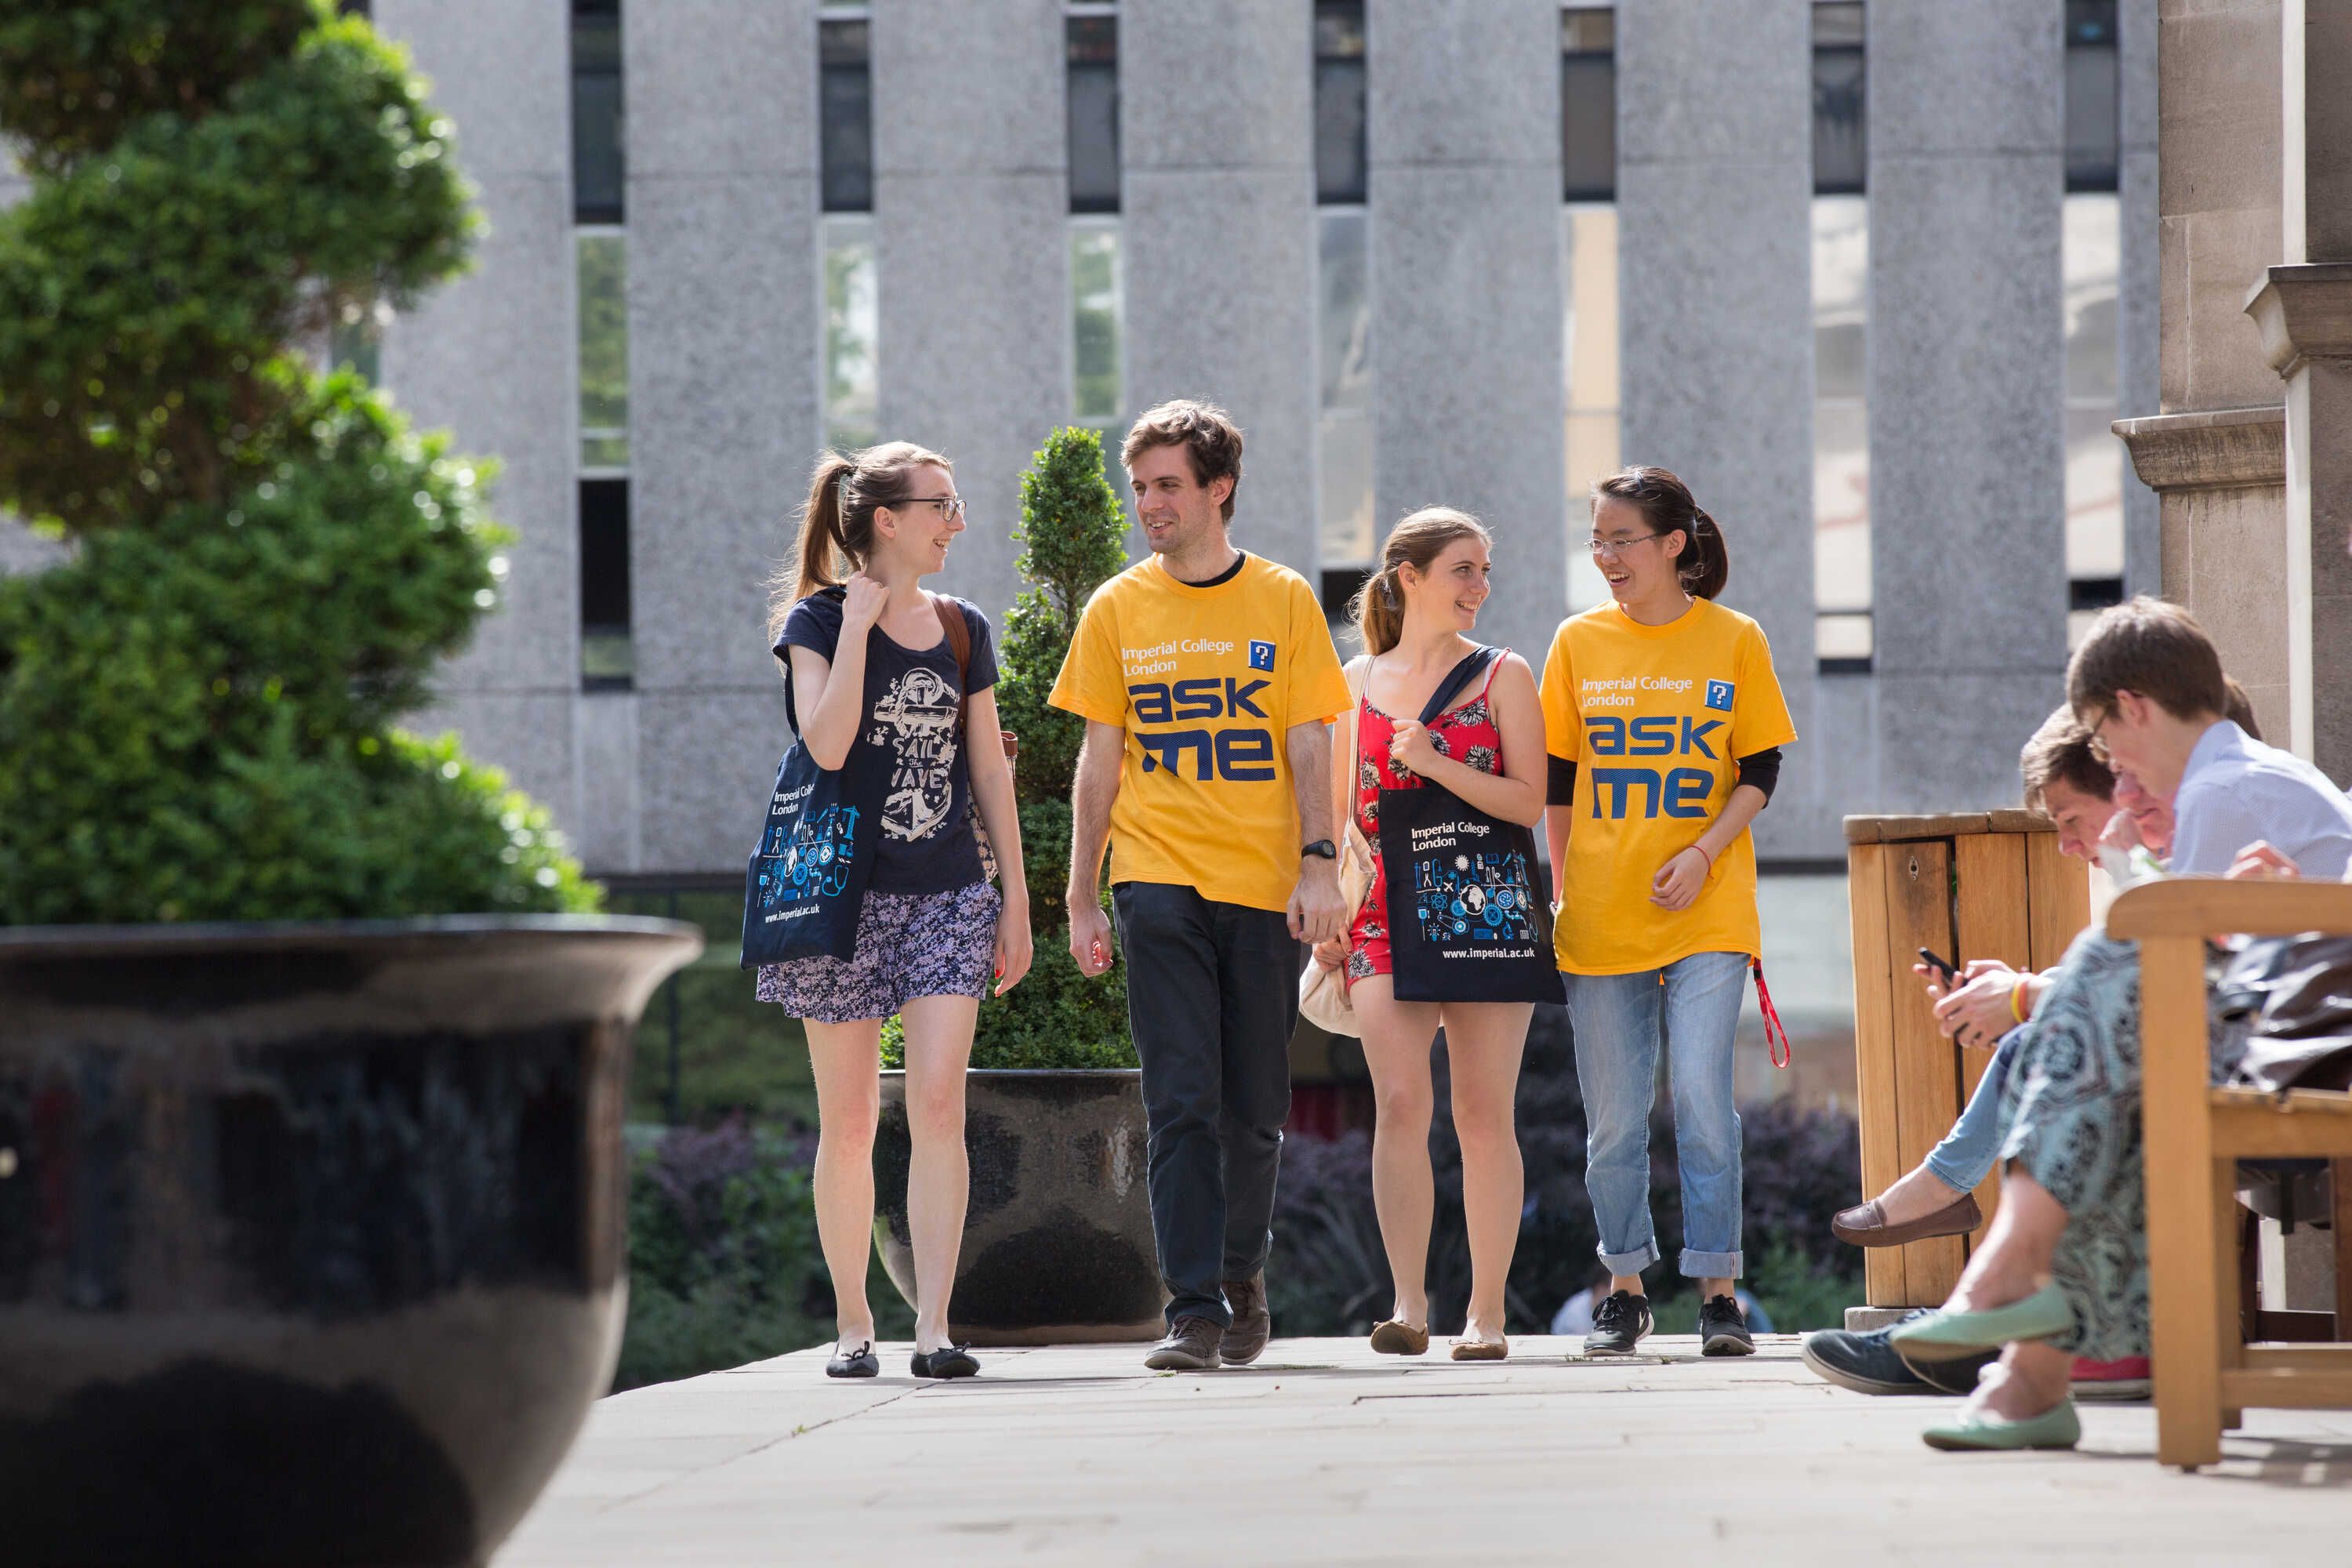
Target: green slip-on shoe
(2056, 1428)
(1947, 1336)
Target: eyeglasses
(2098, 742)
(950, 507)
(1613, 548)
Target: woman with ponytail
(1414, 616)
(874, 664)
(1665, 722)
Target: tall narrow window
(846, 232)
(596, 128)
(1588, 274)
(1091, 37)
(1343, 306)
(1342, 166)
(1588, 103)
(607, 657)
(845, 114)
(599, 256)
(1844, 635)
(2093, 268)
(1094, 300)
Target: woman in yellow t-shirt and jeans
(1665, 722)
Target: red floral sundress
(1466, 733)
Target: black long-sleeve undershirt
(1759, 769)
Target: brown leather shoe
(1865, 1224)
(1191, 1346)
(1252, 1323)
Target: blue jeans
(1972, 1149)
(1617, 1018)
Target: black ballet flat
(947, 1360)
(860, 1362)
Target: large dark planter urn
(1057, 1244)
(312, 1237)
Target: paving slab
(1324, 1452)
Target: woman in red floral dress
(1415, 616)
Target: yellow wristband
(2017, 1008)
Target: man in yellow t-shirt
(1207, 680)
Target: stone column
(490, 357)
(2138, 302)
(2214, 453)
(1218, 240)
(1714, 196)
(724, 418)
(2303, 307)
(1464, 131)
(970, 210)
(1966, 384)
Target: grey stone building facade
(1873, 276)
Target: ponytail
(1706, 565)
(1377, 608)
(837, 525)
(1664, 503)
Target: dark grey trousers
(1212, 998)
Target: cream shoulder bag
(1323, 993)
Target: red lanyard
(1776, 1034)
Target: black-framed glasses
(1613, 548)
(950, 507)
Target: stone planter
(1057, 1244)
(312, 1241)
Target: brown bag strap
(959, 632)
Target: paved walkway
(1325, 1453)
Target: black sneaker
(1723, 1328)
(1619, 1325)
(1951, 1377)
(1864, 1363)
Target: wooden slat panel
(2192, 906)
(2184, 1258)
(2255, 1133)
(2330, 1358)
(2340, 1179)
(1874, 1058)
(2278, 1390)
(2058, 898)
(1992, 924)
(1927, 1076)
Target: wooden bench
(2193, 1135)
(1973, 884)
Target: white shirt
(2236, 790)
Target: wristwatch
(1323, 846)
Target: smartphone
(1941, 966)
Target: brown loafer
(1865, 1224)
(1397, 1337)
(1252, 1324)
(1481, 1349)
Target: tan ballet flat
(1481, 1349)
(1396, 1337)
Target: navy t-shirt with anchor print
(926, 845)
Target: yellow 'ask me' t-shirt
(1655, 718)
(1206, 681)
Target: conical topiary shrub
(196, 707)
(1073, 536)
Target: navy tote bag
(1467, 917)
(805, 886)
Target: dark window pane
(1588, 31)
(1341, 154)
(844, 117)
(1841, 122)
(597, 141)
(1093, 43)
(604, 581)
(1838, 26)
(1588, 126)
(2092, 130)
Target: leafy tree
(198, 706)
(1073, 536)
